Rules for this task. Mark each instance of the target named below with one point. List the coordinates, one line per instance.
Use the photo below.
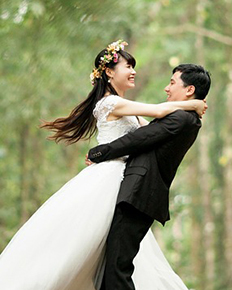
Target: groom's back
(148, 176)
(170, 153)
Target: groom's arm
(142, 139)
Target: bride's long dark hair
(81, 124)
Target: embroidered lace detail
(105, 106)
(111, 130)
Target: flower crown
(111, 55)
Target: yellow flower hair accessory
(111, 55)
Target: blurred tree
(47, 52)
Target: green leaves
(47, 53)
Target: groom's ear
(190, 91)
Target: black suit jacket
(155, 152)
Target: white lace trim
(105, 106)
(111, 130)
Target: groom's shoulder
(181, 118)
(188, 118)
(178, 115)
(183, 115)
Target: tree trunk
(24, 182)
(203, 170)
(228, 183)
(196, 227)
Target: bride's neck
(108, 94)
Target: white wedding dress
(61, 247)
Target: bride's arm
(130, 108)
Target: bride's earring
(108, 80)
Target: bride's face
(122, 77)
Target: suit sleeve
(142, 139)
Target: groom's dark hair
(196, 75)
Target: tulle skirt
(62, 246)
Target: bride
(61, 247)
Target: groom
(155, 152)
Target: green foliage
(47, 53)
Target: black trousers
(129, 226)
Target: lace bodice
(111, 130)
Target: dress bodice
(111, 130)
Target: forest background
(47, 52)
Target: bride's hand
(87, 161)
(201, 107)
